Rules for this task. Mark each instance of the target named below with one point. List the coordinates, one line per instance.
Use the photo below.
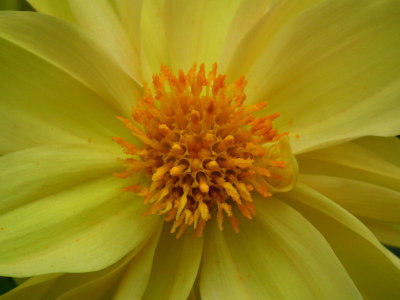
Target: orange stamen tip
(200, 146)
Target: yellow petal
(260, 35)
(374, 270)
(387, 233)
(153, 37)
(65, 96)
(197, 30)
(97, 17)
(330, 74)
(32, 174)
(59, 8)
(359, 198)
(370, 159)
(84, 228)
(247, 15)
(175, 266)
(126, 279)
(279, 255)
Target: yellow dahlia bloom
(140, 161)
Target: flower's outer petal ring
(374, 269)
(53, 86)
(370, 162)
(259, 36)
(175, 266)
(84, 228)
(73, 52)
(248, 14)
(370, 159)
(197, 30)
(102, 22)
(331, 73)
(360, 198)
(35, 173)
(125, 279)
(279, 255)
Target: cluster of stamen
(202, 149)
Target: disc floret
(202, 149)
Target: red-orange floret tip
(202, 149)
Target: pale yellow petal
(98, 18)
(196, 30)
(73, 52)
(84, 228)
(247, 15)
(108, 283)
(255, 41)
(153, 38)
(360, 198)
(175, 266)
(374, 270)
(32, 174)
(370, 159)
(330, 74)
(279, 255)
(65, 96)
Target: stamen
(203, 149)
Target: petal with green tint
(56, 105)
(387, 233)
(330, 74)
(153, 38)
(98, 18)
(84, 228)
(372, 160)
(259, 36)
(127, 275)
(246, 16)
(35, 173)
(374, 270)
(279, 255)
(197, 30)
(175, 266)
(74, 53)
(360, 198)
(59, 8)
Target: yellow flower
(329, 68)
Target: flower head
(104, 154)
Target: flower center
(203, 150)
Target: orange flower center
(203, 150)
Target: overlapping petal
(56, 85)
(114, 281)
(279, 255)
(175, 266)
(82, 228)
(330, 74)
(374, 270)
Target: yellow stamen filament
(202, 149)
